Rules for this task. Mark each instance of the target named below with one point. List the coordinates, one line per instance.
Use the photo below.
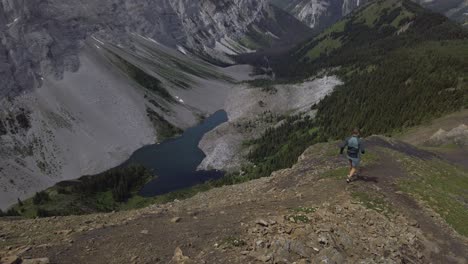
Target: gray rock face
(319, 14)
(43, 37)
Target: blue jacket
(354, 145)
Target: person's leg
(352, 172)
(357, 167)
(350, 168)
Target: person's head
(356, 132)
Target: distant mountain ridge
(322, 13)
(42, 38)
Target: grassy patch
(248, 42)
(164, 129)
(372, 13)
(306, 210)
(298, 218)
(141, 77)
(338, 27)
(442, 186)
(324, 47)
(232, 242)
(338, 173)
(373, 201)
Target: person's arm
(343, 146)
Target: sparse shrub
(41, 198)
(40, 212)
(298, 218)
(12, 212)
(233, 242)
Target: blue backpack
(354, 145)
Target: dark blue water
(175, 161)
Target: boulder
(179, 257)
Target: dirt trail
(306, 214)
(153, 237)
(446, 247)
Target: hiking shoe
(348, 180)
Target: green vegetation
(306, 210)
(408, 87)
(9, 212)
(442, 186)
(393, 80)
(299, 218)
(374, 201)
(104, 192)
(326, 46)
(338, 173)
(232, 242)
(164, 129)
(175, 69)
(396, 74)
(279, 147)
(39, 198)
(370, 15)
(141, 77)
(257, 38)
(338, 27)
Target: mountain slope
(319, 14)
(288, 217)
(322, 13)
(388, 53)
(44, 37)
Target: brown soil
(259, 221)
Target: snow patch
(272, 35)
(14, 22)
(99, 41)
(224, 48)
(181, 49)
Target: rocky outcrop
(251, 111)
(319, 14)
(458, 136)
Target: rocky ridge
(322, 13)
(286, 218)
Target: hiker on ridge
(355, 149)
